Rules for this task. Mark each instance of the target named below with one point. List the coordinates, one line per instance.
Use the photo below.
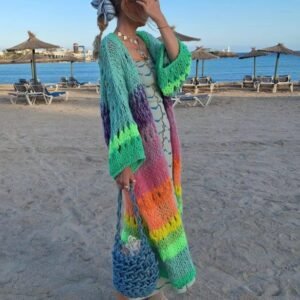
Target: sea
(221, 70)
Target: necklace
(135, 42)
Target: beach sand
(241, 192)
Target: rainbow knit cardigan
(132, 140)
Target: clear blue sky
(220, 23)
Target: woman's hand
(152, 9)
(125, 178)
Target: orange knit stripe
(156, 207)
(173, 224)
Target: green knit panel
(188, 278)
(126, 150)
(172, 75)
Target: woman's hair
(102, 24)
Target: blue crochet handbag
(135, 274)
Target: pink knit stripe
(154, 170)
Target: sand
(241, 190)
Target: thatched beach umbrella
(278, 49)
(27, 58)
(183, 37)
(32, 44)
(253, 54)
(71, 58)
(201, 54)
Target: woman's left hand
(152, 9)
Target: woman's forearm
(169, 39)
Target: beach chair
(21, 91)
(248, 81)
(285, 81)
(98, 87)
(202, 99)
(73, 82)
(40, 91)
(190, 88)
(205, 81)
(23, 81)
(266, 82)
(64, 83)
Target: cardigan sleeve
(122, 137)
(170, 74)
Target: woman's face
(135, 12)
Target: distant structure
(79, 49)
(223, 53)
(76, 48)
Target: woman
(138, 76)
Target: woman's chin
(141, 23)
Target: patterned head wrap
(105, 9)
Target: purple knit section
(106, 121)
(140, 108)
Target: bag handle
(136, 214)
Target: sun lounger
(248, 81)
(73, 82)
(205, 81)
(40, 91)
(285, 81)
(189, 88)
(266, 82)
(23, 81)
(63, 82)
(21, 91)
(181, 97)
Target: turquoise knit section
(170, 75)
(119, 81)
(125, 146)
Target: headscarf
(105, 9)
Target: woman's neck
(126, 27)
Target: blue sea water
(223, 69)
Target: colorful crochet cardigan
(132, 140)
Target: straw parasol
(183, 37)
(278, 49)
(201, 54)
(71, 58)
(27, 58)
(253, 54)
(32, 44)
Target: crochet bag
(135, 273)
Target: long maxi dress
(146, 71)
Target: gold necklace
(134, 41)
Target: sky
(219, 23)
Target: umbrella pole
(31, 65)
(276, 66)
(71, 69)
(202, 67)
(34, 66)
(197, 63)
(254, 68)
